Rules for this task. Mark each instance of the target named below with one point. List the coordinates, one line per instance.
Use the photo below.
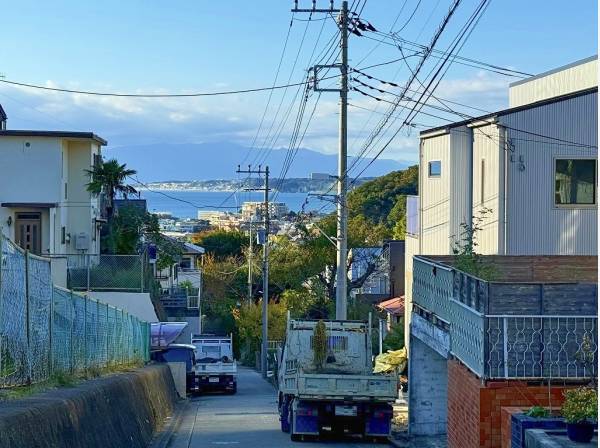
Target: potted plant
(580, 410)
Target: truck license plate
(213, 379)
(347, 411)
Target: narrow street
(247, 419)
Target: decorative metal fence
(46, 330)
(542, 346)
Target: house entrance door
(28, 231)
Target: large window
(435, 168)
(575, 182)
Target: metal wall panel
(535, 225)
(434, 196)
(460, 180)
(573, 78)
(486, 187)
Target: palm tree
(109, 177)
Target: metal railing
(46, 330)
(99, 272)
(542, 346)
(519, 346)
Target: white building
(254, 208)
(44, 204)
(533, 165)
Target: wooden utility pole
(341, 288)
(265, 299)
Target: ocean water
(185, 204)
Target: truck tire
(284, 416)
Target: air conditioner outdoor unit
(82, 241)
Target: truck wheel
(296, 437)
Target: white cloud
(127, 121)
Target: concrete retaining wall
(117, 411)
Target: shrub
(580, 405)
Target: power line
(287, 37)
(473, 20)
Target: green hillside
(381, 202)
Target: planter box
(521, 422)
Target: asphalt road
(248, 419)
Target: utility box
(82, 241)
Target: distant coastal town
(317, 183)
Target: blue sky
(183, 46)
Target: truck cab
(214, 367)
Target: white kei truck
(215, 368)
(343, 396)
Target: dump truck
(341, 394)
(214, 367)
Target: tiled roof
(393, 306)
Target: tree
(221, 243)
(466, 258)
(131, 228)
(109, 177)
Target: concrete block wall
(428, 394)
(116, 411)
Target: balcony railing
(496, 327)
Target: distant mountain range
(202, 161)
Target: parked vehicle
(340, 396)
(179, 353)
(215, 368)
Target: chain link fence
(46, 330)
(94, 272)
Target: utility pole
(341, 289)
(265, 299)
(250, 255)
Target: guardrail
(46, 330)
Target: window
(575, 182)
(435, 168)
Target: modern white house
(533, 166)
(44, 204)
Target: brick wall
(506, 424)
(463, 406)
(474, 407)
